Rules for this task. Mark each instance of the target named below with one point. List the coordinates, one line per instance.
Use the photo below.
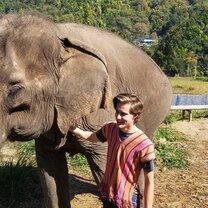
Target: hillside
(178, 28)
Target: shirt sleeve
(148, 153)
(100, 136)
(105, 132)
(148, 166)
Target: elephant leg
(53, 172)
(96, 154)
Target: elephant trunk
(3, 135)
(2, 139)
(3, 110)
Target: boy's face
(125, 120)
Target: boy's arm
(148, 189)
(88, 135)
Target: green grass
(187, 85)
(200, 114)
(79, 162)
(27, 150)
(170, 151)
(19, 183)
(174, 116)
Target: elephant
(53, 75)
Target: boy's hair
(124, 98)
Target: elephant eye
(14, 90)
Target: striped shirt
(124, 162)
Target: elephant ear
(81, 46)
(84, 84)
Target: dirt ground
(187, 188)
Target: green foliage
(172, 117)
(172, 156)
(26, 149)
(200, 114)
(19, 183)
(78, 160)
(170, 153)
(188, 35)
(179, 27)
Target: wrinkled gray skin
(55, 75)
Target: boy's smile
(124, 118)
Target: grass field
(187, 85)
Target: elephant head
(38, 79)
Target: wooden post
(190, 115)
(183, 114)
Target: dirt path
(186, 188)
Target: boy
(129, 151)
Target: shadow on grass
(20, 186)
(79, 185)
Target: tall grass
(19, 183)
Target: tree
(185, 37)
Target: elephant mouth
(19, 108)
(16, 136)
